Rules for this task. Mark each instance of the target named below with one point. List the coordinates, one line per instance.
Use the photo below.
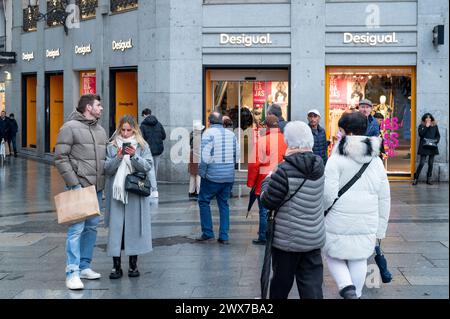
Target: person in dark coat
(320, 138)
(275, 109)
(4, 126)
(154, 134)
(299, 231)
(365, 107)
(11, 134)
(427, 130)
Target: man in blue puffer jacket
(219, 151)
(320, 138)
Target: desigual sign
(122, 45)
(245, 39)
(28, 56)
(370, 38)
(51, 54)
(83, 49)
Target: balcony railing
(30, 18)
(123, 5)
(87, 8)
(56, 12)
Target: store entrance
(54, 108)
(29, 83)
(245, 96)
(124, 95)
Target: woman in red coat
(266, 154)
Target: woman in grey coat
(127, 215)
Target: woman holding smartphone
(126, 214)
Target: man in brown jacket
(80, 155)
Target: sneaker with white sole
(88, 273)
(154, 194)
(74, 282)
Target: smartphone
(124, 145)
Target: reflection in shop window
(389, 89)
(87, 8)
(123, 5)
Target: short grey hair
(215, 118)
(297, 134)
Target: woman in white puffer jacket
(359, 216)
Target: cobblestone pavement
(32, 254)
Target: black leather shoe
(348, 292)
(203, 238)
(116, 272)
(223, 242)
(258, 242)
(133, 270)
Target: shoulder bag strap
(349, 184)
(290, 197)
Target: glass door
(246, 104)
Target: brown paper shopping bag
(77, 205)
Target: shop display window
(390, 89)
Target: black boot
(415, 181)
(348, 292)
(116, 272)
(429, 180)
(133, 270)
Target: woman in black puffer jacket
(427, 130)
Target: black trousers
(306, 267)
(423, 159)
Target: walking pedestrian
(428, 146)
(320, 138)
(275, 109)
(11, 134)
(360, 215)
(194, 159)
(80, 154)
(266, 154)
(154, 134)
(4, 127)
(127, 215)
(219, 152)
(295, 190)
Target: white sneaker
(74, 282)
(154, 194)
(88, 273)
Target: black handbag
(429, 143)
(137, 183)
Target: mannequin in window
(281, 95)
(354, 100)
(383, 108)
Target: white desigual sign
(83, 49)
(245, 40)
(51, 54)
(28, 56)
(122, 45)
(370, 38)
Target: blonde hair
(136, 130)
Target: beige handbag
(76, 205)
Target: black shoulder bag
(138, 183)
(265, 272)
(348, 185)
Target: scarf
(125, 168)
(291, 151)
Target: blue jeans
(80, 242)
(262, 220)
(221, 191)
(154, 172)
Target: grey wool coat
(133, 218)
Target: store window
(29, 16)
(54, 109)
(245, 96)
(123, 5)
(56, 12)
(2, 96)
(390, 89)
(29, 83)
(88, 82)
(87, 8)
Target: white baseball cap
(314, 111)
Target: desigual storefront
(185, 60)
